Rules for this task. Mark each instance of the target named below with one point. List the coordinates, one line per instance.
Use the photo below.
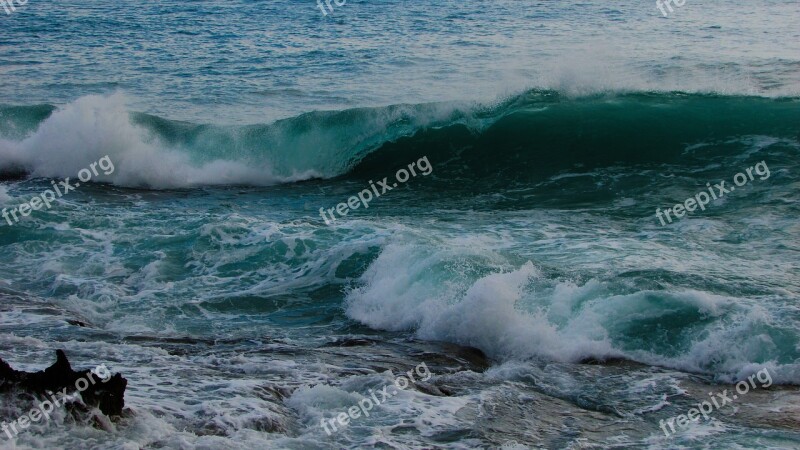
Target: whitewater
(527, 271)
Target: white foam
(514, 314)
(485, 315)
(95, 126)
(4, 197)
(406, 407)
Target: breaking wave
(522, 136)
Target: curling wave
(526, 135)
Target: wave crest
(532, 132)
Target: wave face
(158, 153)
(524, 138)
(534, 239)
(519, 311)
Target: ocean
(405, 225)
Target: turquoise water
(527, 268)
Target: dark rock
(107, 395)
(350, 342)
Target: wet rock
(106, 393)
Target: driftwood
(99, 390)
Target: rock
(105, 393)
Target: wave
(516, 312)
(534, 132)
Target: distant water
(528, 270)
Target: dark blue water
(519, 256)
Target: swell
(522, 312)
(527, 136)
(540, 134)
